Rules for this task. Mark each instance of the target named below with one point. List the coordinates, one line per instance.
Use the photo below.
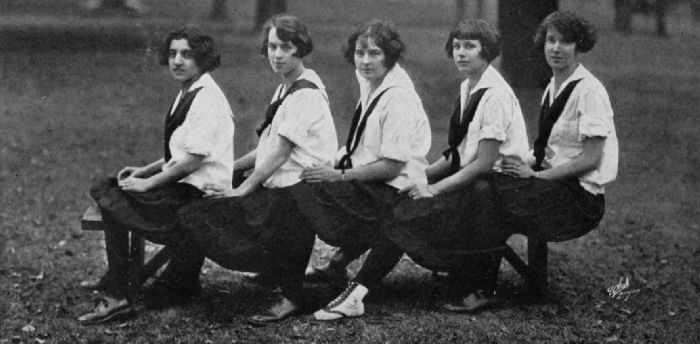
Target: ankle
(286, 303)
(359, 292)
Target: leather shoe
(108, 309)
(472, 303)
(278, 312)
(347, 304)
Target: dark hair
(573, 28)
(476, 29)
(384, 36)
(289, 29)
(204, 51)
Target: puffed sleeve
(298, 114)
(497, 116)
(206, 115)
(595, 115)
(400, 123)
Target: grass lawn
(72, 111)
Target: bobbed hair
(204, 51)
(574, 29)
(476, 29)
(384, 36)
(289, 29)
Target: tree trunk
(660, 12)
(461, 8)
(266, 9)
(470, 9)
(219, 10)
(522, 64)
(623, 15)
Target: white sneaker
(348, 304)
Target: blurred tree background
(516, 20)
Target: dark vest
(357, 127)
(549, 116)
(178, 116)
(459, 129)
(274, 106)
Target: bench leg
(537, 263)
(153, 264)
(515, 261)
(138, 271)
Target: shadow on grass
(239, 297)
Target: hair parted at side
(384, 36)
(204, 51)
(476, 29)
(289, 29)
(573, 28)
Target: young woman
(451, 221)
(385, 152)
(557, 192)
(251, 227)
(198, 153)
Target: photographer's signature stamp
(621, 290)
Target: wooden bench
(534, 271)
(139, 270)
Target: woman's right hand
(216, 191)
(321, 173)
(130, 171)
(418, 191)
(514, 166)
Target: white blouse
(304, 118)
(497, 117)
(587, 113)
(207, 131)
(397, 129)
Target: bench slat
(92, 219)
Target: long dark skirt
(235, 232)
(260, 232)
(151, 213)
(447, 232)
(345, 214)
(548, 210)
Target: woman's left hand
(418, 191)
(216, 191)
(135, 184)
(516, 167)
(321, 173)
